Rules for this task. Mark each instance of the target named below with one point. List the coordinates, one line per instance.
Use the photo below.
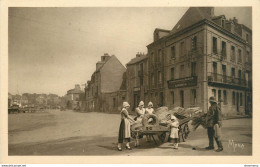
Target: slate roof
(192, 16)
(137, 59)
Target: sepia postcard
(129, 82)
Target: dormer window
(223, 23)
(247, 38)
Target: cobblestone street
(72, 133)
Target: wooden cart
(151, 125)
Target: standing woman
(124, 130)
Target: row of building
(34, 100)
(203, 55)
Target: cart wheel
(162, 137)
(186, 130)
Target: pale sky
(52, 49)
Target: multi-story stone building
(137, 80)
(105, 92)
(203, 55)
(73, 97)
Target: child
(124, 130)
(174, 124)
(149, 110)
(140, 110)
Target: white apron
(127, 128)
(174, 130)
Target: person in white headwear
(140, 111)
(124, 129)
(149, 110)
(174, 136)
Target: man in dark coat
(214, 123)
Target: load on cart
(157, 124)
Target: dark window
(233, 98)
(161, 99)
(214, 92)
(172, 94)
(114, 102)
(224, 50)
(224, 73)
(182, 71)
(219, 95)
(239, 56)
(173, 52)
(193, 68)
(155, 57)
(123, 98)
(172, 73)
(225, 96)
(247, 37)
(233, 53)
(152, 57)
(215, 71)
(241, 99)
(141, 74)
(194, 43)
(233, 72)
(182, 98)
(152, 78)
(182, 49)
(160, 55)
(223, 23)
(159, 77)
(193, 97)
(215, 48)
(247, 56)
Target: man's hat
(212, 99)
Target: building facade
(73, 97)
(203, 55)
(137, 80)
(106, 90)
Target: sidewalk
(236, 117)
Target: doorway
(182, 98)
(161, 99)
(136, 101)
(237, 102)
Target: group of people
(213, 121)
(125, 132)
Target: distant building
(103, 92)
(10, 99)
(41, 100)
(137, 80)
(73, 97)
(203, 55)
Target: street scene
(130, 81)
(51, 133)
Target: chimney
(105, 57)
(77, 86)
(235, 20)
(139, 54)
(212, 14)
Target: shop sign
(182, 82)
